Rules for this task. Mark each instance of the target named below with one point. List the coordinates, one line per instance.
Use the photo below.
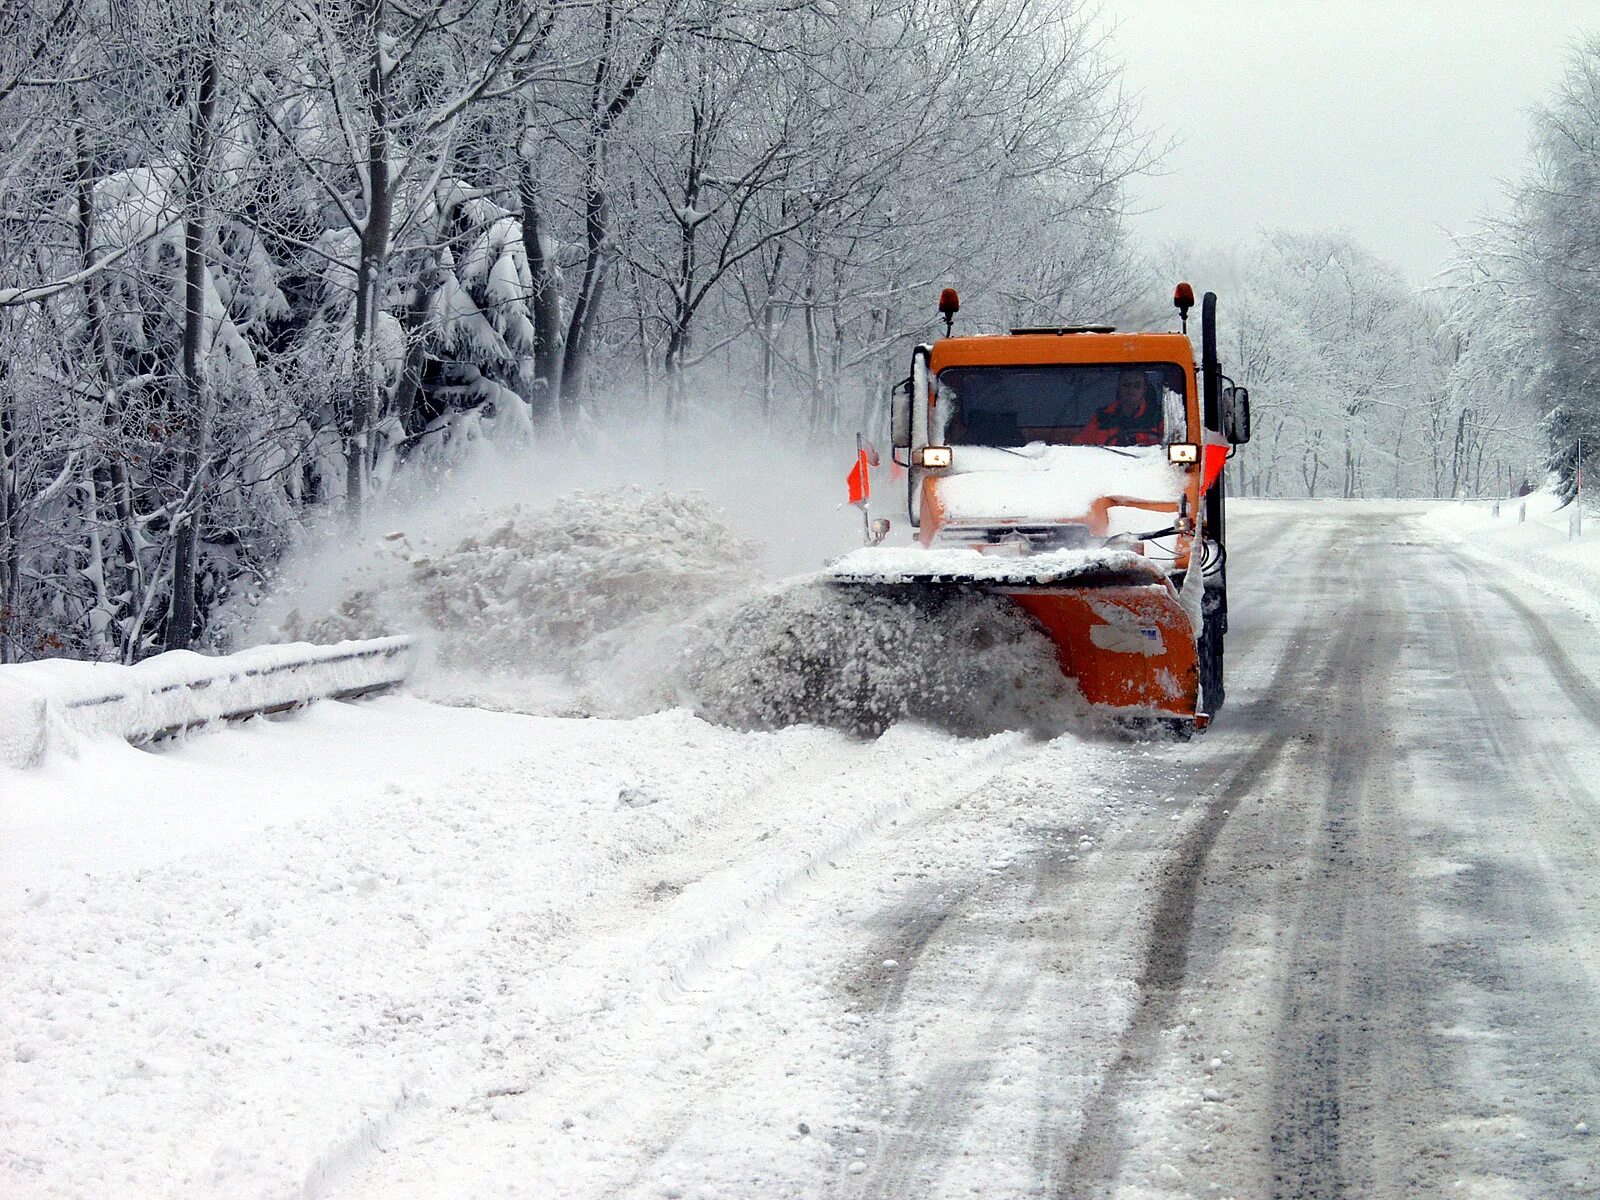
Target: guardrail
(169, 693)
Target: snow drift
(621, 602)
(579, 607)
(863, 658)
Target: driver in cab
(1133, 418)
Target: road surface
(1347, 944)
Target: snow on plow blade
(1119, 630)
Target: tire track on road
(1349, 1031)
(1091, 1165)
(909, 1158)
(1561, 798)
(1573, 683)
(1523, 956)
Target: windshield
(1069, 405)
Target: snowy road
(1374, 962)
(1345, 945)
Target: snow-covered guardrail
(179, 690)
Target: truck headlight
(1183, 452)
(935, 456)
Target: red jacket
(1115, 425)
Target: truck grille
(1038, 537)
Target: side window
(947, 423)
(1174, 415)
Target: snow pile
(578, 606)
(623, 602)
(863, 658)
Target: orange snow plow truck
(1076, 470)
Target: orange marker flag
(860, 485)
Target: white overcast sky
(1399, 120)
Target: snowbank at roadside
(582, 605)
(1530, 542)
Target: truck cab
(1089, 460)
(1064, 438)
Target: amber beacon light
(949, 306)
(1183, 301)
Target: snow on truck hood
(1046, 483)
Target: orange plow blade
(1118, 626)
(1128, 647)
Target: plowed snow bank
(623, 602)
(580, 605)
(862, 659)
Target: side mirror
(1236, 415)
(900, 415)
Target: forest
(259, 261)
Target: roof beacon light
(1183, 301)
(949, 306)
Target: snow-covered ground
(237, 965)
(1345, 944)
(1533, 540)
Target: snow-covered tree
(1557, 251)
(256, 259)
